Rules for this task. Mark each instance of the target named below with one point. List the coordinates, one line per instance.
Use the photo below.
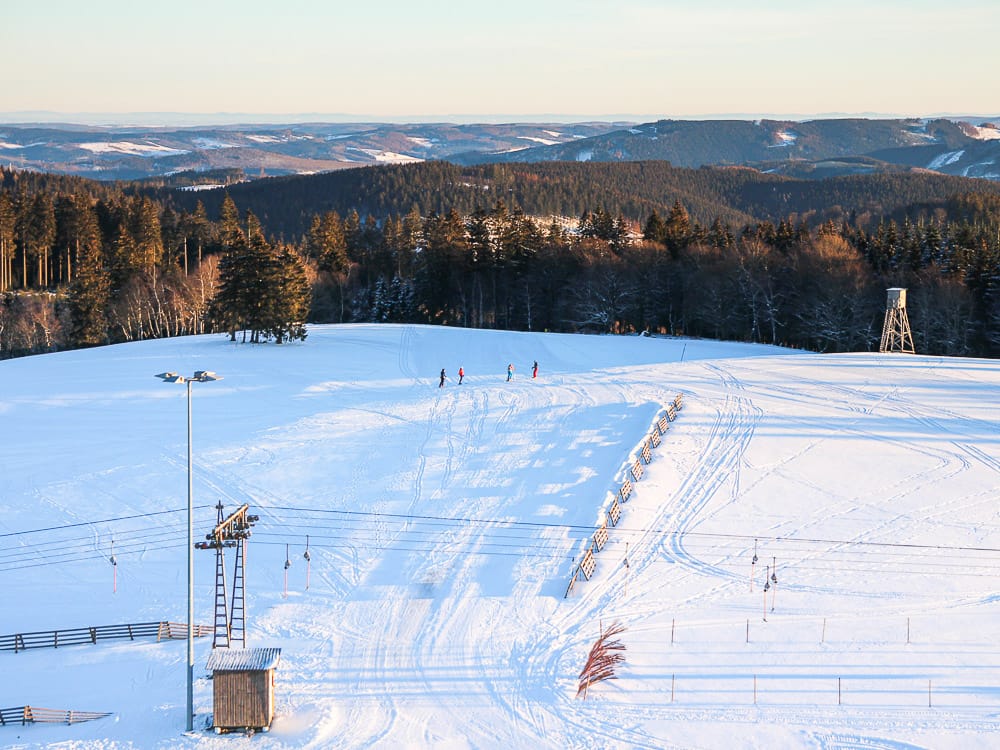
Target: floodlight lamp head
(205, 376)
(171, 377)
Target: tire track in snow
(718, 465)
(553, 652)
(948, 465)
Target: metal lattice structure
(230, 612)
(896, 335)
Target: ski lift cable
(627, 530)
(79, 542)
(104, 520)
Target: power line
(423, 550)
(624, 529)
(106, 520)
(367, 529)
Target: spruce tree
(90, 291)
(228, 309)
(656, 228)
(678, 229)
(8, 223)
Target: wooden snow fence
(633, 473)
(615, 512)
(601, 536)
(24, 715)
(637, 470)
(626, 490)
(77, 636)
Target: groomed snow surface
(444, 524)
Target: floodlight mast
(200, 376)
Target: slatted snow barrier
(633, 473)
(601, 536)
(614, 512)
(626, 490)
(646, 452)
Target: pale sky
(509, 59)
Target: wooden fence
(635, 470)
(23, 715)
(77, 636)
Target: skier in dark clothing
(461, 374)
(534, 370)
(441, 384)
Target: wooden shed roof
(243, 659)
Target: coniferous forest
(720, 253)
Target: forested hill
(724, 253)
(286, 205)
(951, 147)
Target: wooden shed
(243, 688)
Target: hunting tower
(896, 336)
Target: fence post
(755, 690)
(823, 637)
(928, 693)
(838, 692)
(748, 631)
(672, 623)
(673, 679)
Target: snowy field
(444, 525)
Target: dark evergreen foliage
(726, 253)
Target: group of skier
(510, 373)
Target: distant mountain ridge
(804, 149)
(133, 153)
(787, 147)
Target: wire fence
(799, 688)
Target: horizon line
(178, 118)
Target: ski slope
(444, 525)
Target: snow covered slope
(444, 524)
